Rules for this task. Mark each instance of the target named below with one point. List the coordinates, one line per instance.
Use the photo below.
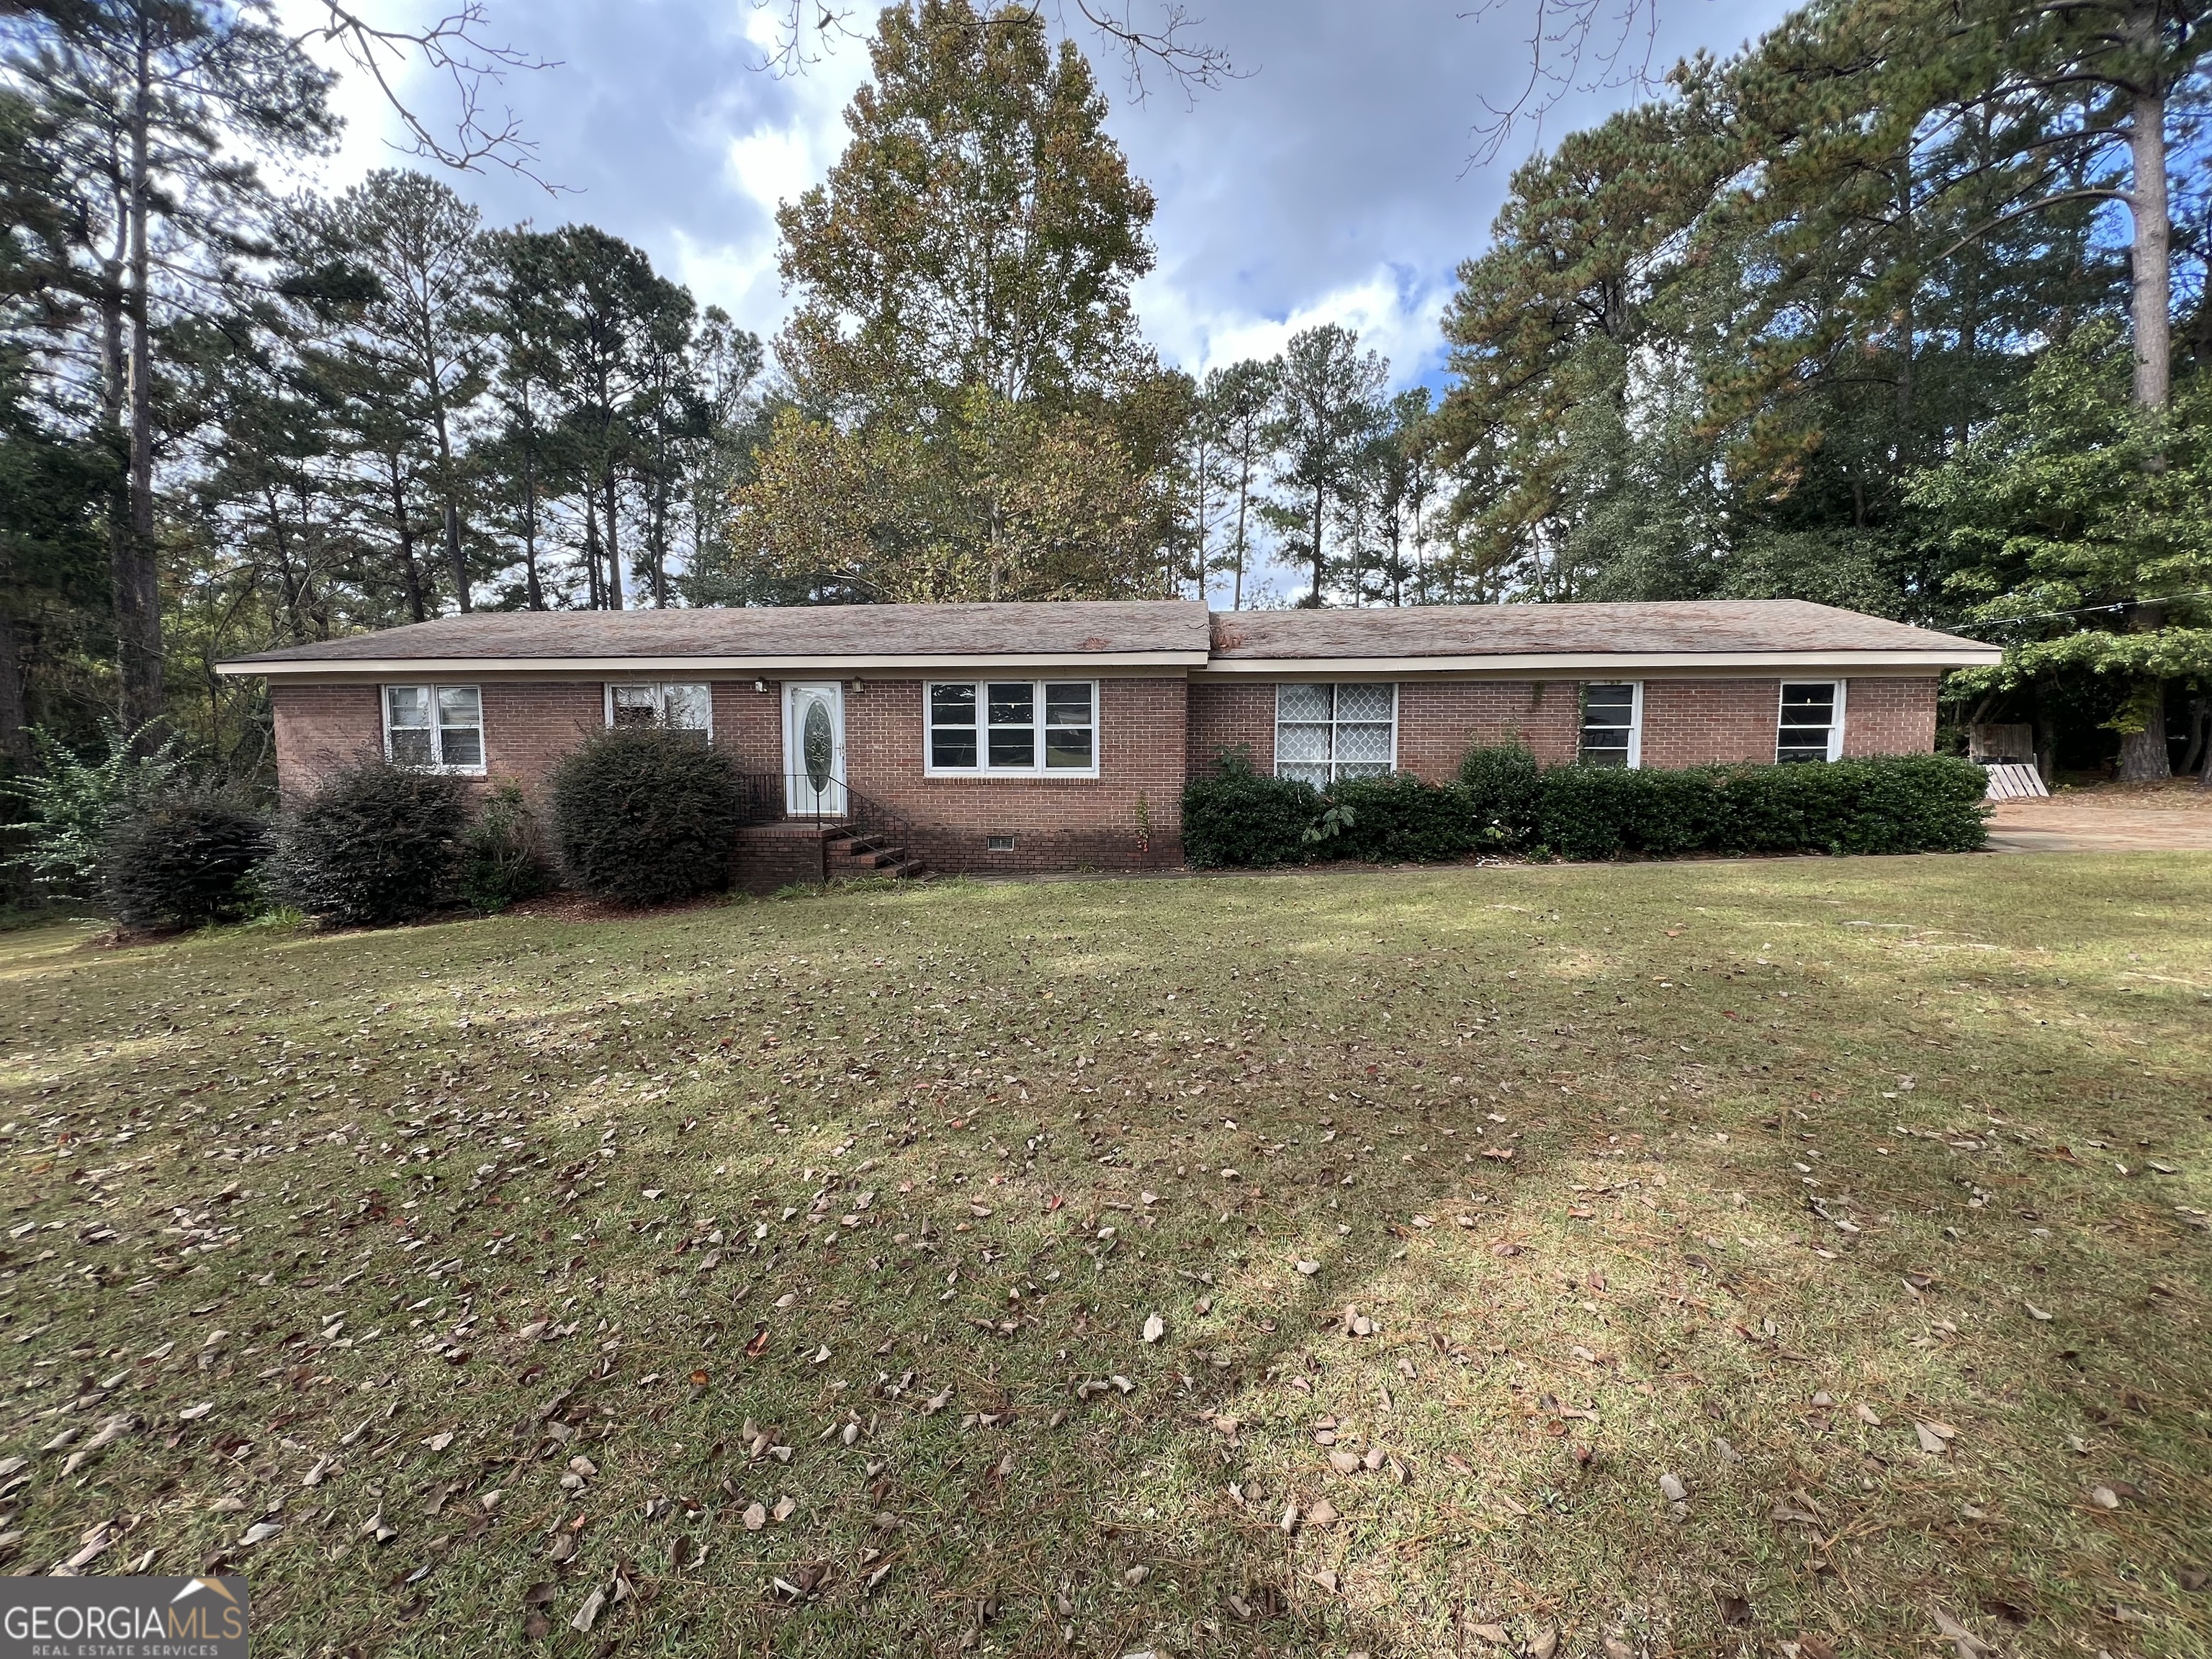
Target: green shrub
(1887, 804)
(66, 808)
(1582, 812)
(1239, 818)
(184, 857)
(375, 844)
(1402, 820)
(1890, 804)
(646, 814)
(501, 860)
(1502, 783)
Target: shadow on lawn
(1613, 1314)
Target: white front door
(814, 749)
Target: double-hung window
(1012, 727)
(1612, 725)
(437, 726)
(1326, 733)
(1811, 728)
(681, 707)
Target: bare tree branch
(457, 47)
(1574, 45)
(1150, 37)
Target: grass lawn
(1670, 1259)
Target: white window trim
(1635, 720)
(930, 768)
(1332, 724)
(660, 699)
(1836, 724)
(437, 731)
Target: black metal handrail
(777, 797)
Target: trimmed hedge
(1402, 820)
(645, 815)
(184, 858)
(376, 844)
(1241, 819)
(1505, 801)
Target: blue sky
(1332, 181)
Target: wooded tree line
(1900, 308)
(1880, 311)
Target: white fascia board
(1086, 663)
(1605, 665)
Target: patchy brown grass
(1548, 1183)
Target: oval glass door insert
(816, 743)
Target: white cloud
(1390, 310)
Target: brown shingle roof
(1696, 626)
(1163, 632)
(1079, 627)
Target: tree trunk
(15, 716)
(533, 591)
(1243, 499)
(455, 563)
(2142, 753)
(418, 610)
(592, 563)
(1319, 499)
(614, 551)
(2151, 295)
(136, 578)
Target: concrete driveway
(2171, 817)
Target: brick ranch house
(991, 738)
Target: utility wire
(2089, 609)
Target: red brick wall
(1438, 721)
(1057, 823)
(1890, 717)
(320, 728)
(529, 724)
(1698, 722)
(1686, 722)
(1153, 732)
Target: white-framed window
(685, 707)
(1326, 733)
(1007, 728)
(1811, 724)
(438, 726)
(1612, 724)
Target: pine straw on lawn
(488, 1287)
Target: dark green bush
(1239, 818)
(646, 814)
(183, 857)
(376, 844)
(1503, 784)
(501, 860)
(1888, 804)
(1891, 804)
(1400, 820)
(1582, 812)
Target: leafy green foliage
(503, 860)
(1503, 784)
(184, 857)
(1505, 801)
(645, 815)
(2080, 526)
(1888, 804)
(375, 844)
(1240, 818)
(1400, 819)
(72, 803)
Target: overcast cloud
(1331, 182)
